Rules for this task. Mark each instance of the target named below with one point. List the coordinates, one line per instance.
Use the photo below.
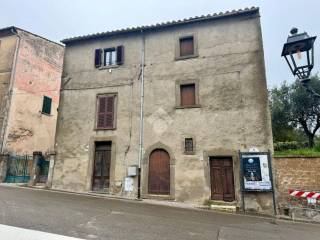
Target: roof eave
(247, 11)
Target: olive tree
(292, 106)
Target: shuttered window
(106, 112)
(46, 105)
(109, 56)
(187, 94)
(186, 46)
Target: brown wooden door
(101, 171)
(159, 173)
(221, 174)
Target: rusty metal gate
(18, 169)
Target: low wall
(298, 173)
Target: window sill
(108, 67)
(189, 153)
(186, 57)
(46, 114)
(104, 129)
(190, 106)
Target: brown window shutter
(106, 112)
(120, 55)
(109, 123)
(188, 96)
(97, 58)
(186, 46)
(101, 112)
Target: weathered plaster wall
(38, 74)
(76, 121)
(7, 52)
(233, 98)
(232, 93)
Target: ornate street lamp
(299, 54)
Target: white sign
(256, 172)
(312, 201)
(128, 184)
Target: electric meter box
(132, 171)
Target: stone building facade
(205, 98)
(30, 77)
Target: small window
(109, 56)
(46, 105)
(187, 94)
(106, 111)
(186, 46)
(188, 145)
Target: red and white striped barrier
(303, 194)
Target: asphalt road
(97, 218)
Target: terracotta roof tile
(213, 16)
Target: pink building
(30, 78)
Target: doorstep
(173, 203)
(223, 206)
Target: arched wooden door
(159, 173)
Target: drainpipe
(12, 77)
(141, 113)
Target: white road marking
(14, 233)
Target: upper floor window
(186, 46)
(187, 94)
(109, 57)
(46, 105)
(106, 111)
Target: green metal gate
(18, 169)
(43, 169)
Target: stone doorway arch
(164, 153)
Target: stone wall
(299, 173)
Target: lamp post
(299, 54)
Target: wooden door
(221, 174)
(101, 171)
(159, 173)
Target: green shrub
(281, 146)
(317, 146)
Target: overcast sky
(59, 19)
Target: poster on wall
(256, 172)
(128, 184)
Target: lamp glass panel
(300, 58)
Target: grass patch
(304, 152)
